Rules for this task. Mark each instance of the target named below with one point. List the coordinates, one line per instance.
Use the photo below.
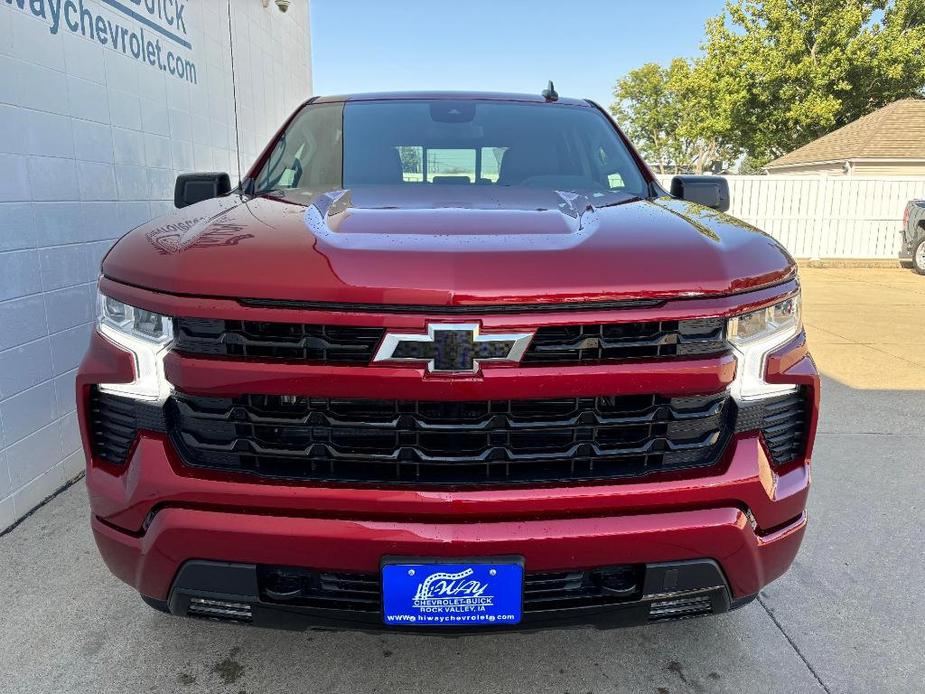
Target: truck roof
(450, 95)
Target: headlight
(753, 337)
(147, 335)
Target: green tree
(668, 118)
(774, 75)
(648, 109)
(782, 73)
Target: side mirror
(711, 191)
(196, 187)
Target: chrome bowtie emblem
(452, 347)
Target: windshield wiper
(614, 203)
(275, 192)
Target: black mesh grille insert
(783, 422)
(451, 443)
(329, 344)
(361, 592)
(113, 426)
(784, 427)
(574, 344)
(591, 343)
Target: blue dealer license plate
(475, 593)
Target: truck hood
(447, 245)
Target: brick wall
(91, 139)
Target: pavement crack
(51, 497)
(793, 645)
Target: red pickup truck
(448, 360)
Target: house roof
(894, 132)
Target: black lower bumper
(666, 591)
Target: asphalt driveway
(847, 617)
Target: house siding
(889, 169)
(809, 170)
(861, 168)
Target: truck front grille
(578, 344)
(326, 344)
(450, 443)
(351, 345)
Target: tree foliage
(666, 118)
(775, 75)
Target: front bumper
(749, 520)
(232, 592)
(154, 517)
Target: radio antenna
(550, 93)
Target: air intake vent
(782, 421)
(220, 610)
(115, 422)
(678, 608)
(113, 426)
(784, 428)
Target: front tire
(918, 257)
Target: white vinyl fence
(825, 217)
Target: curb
(882, 263)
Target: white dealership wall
(102, 103)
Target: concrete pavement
(845, 619)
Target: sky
(584, 46)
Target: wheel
(918, 257)
(159, 605)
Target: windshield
(446, 143)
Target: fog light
(681, 607)
(220, 609)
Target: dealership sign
(150, 31)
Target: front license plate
(473, 593)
